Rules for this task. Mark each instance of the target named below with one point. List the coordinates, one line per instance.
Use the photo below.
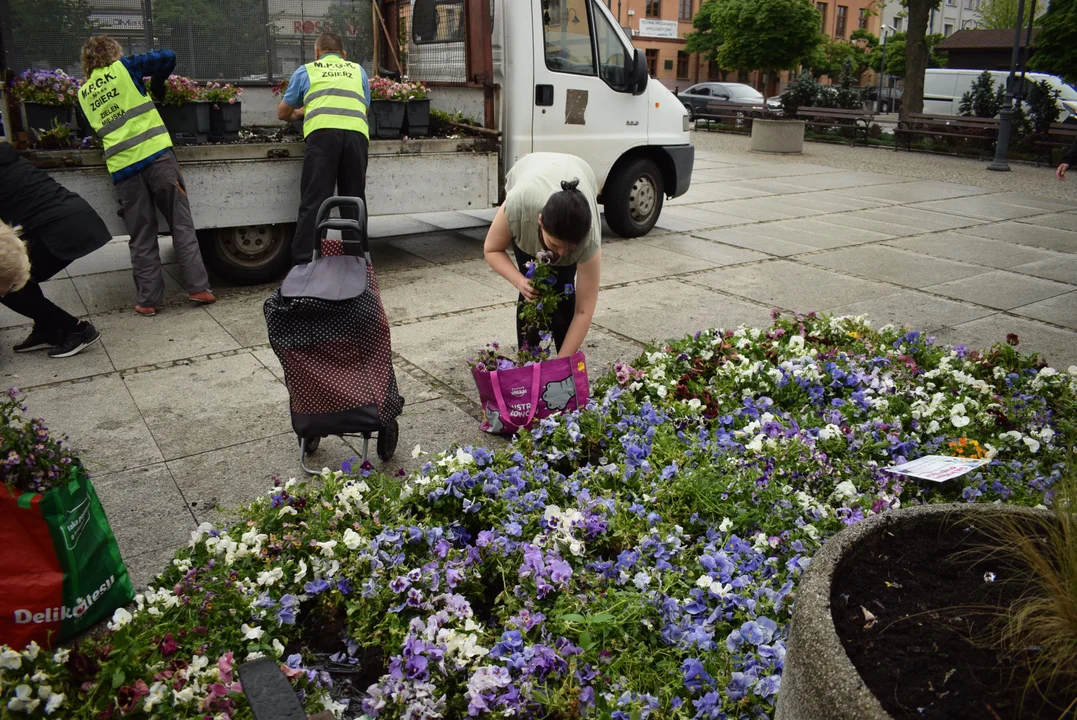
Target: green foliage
(800, 93)
(806, 92)
(895, 53)
(353, 22)
(1043, 107)
(703, 39)
(51, 31)
(213, 40)
(831, 56)
(762, 34)
(1056, 45)
(1002, 14)
(982, 100)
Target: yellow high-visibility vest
(127, 122)
(335, 98)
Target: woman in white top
(551, 204)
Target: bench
(858, 121)
(722, 110)
(981, 131)
(1059, 135)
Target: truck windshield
(613, 55)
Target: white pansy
(252, 633)
(24, 700)
(756, 445)
(1045, 434)
(352, 540)
(278, 647)
(287, 510)
(10, 660)
(184, 696)
(416, 452)
(157, 693)
(760, 542)
(726, 525)
(327, 547)
(933, 426)
(704, 581)
(54, 702)
(959, 421)
(60, 656)
(695, 404)
(1032, 443)
(719, 589)
(32, 650)
(812, 532)
(302, 572)
(254, 655)
(844, 490)
(829, 432)
(200, 532)
(268, 578)
(119, 618)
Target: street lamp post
(882, 70)
(1002, 145)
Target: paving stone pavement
(183, 416)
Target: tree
(213, 40)
(766, 35)
(1002, 14)
(1056, 45)
(830, 56)
(916, 55)
(703, 39)
(895, 54)
(50, 33)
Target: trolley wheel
(312, 444)
(387, 438)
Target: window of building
(843, 11)
(682, 65)
(897, 24)
(686, 11)
(948, 29)
(652, 62)
(821, 7)
(970, 4)
(713, 72)
(653, 9)
(568, 44)
(862, 23)
(951, 3)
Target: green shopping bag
(62, 570)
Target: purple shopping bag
(513, 399)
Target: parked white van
(943, 89)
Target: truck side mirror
(637, 79)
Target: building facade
(952, 15)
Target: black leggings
(566, 309)
(31, 302)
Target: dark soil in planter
(927, 654)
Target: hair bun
(572, 184)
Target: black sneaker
(77, 341)
(39, 340)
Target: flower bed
(639, 557)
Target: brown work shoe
(148, 312)
(205, 297)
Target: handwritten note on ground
(937, 468)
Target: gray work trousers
(160, 185)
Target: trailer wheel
(633, 198)
(250, 254)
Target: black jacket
(1070, 158)
(29, 197)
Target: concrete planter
(819, 681)
(777, 136)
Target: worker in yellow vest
(139, 156)
(330, 96)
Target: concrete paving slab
(917, 310)
(61, 291)
(765, 210)
(414, 387)
(993, 206)
(656, 260)
(792, 286)
(242, 317)
(430, 291)
(1062, 268)
(771, 187)
(917, 191)
(387, 258)
(251, 468)
(174, 333)
(858, 220)
(143, 568)
(481, 272)
(722, 192)
(672, 309)
(713, 252)
(957, 246)
(106, 292)
(827, 202)
(772, 170)
(23, 370)
(1001, 289)
(111, 257)
(1058, 347)
(1024, 233)
(752, 238)
(102, 421)
(1059, 221)
(684, 218)
(1060, 310)
(145, 509)
(486, 214)
(838, 180)
(876, 262)
(380, 226)
(210, 404)
(603, 349)
(923, 220)
(440, 247)
(449, 220)
(820, 233)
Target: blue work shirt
(157, 65)
(300, 83)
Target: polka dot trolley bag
(328, 328)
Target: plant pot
(389, 116)
(777, 136)
(820, 681)
(188, 124)
(37, 117)
(225, 119)
(418, 118)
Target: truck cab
(570, 81)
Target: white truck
(944, 88)
(565, 81)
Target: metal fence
(251, 41)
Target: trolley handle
(341, 201)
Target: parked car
(891, 99)
(696, 97)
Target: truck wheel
(248, 255)
(633, 198)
